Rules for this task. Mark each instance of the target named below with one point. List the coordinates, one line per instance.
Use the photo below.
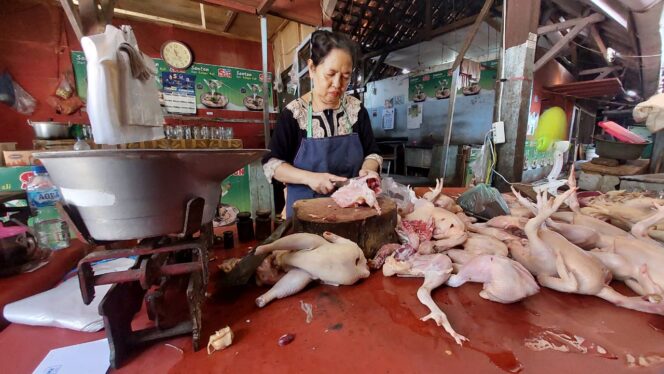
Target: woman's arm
(322, 183)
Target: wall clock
(177, 54)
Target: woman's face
(331, 76)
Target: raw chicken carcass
(449, 229)
(640, 264)
(576, 271)
(504, 280)
(357, 192)
(483, 244)
(436, 269)
(331, 259)
(439, 199)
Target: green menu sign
(436, 85)
(216, 87)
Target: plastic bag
(402, 195)
(7, 89)
(65, 87)
(62, 306)
(25, 103)
(483, 201)
(119, 113)
(68, 106)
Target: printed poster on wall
(178, 91)
(388, 119)
(414, 118)
(436, 85)
(215, 87)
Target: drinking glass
(205, 132)
(187, 132)
(196, 132)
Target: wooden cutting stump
(362, 225)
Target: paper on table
(86, 358)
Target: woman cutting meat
(324, 137)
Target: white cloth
(651, 111)
(109, 103)
(62, 306)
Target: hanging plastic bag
(65, 88)
(24, 102)
(106, 101)
(7, 89)
(402, 195)
(483, 201)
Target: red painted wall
(35, 44)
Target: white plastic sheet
(62, 306)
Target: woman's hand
(369, 173)
(323, 183)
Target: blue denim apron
(339, 155)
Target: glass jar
(263, 224)
(245, 227)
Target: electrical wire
(617, 53)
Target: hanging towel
(470, 72)
(122, 109)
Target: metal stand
(166, 268)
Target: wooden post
(522, 19)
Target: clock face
(177, 54)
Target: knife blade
(246, 267)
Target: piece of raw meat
(358, 191)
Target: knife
(246, 267)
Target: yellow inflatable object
(552, 126)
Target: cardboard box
(18, 158)
(15, 178)
(6, 147)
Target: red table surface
(374, 326)
(20, 286)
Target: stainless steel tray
(141, 193)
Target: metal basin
(134, 194)
(50, 130)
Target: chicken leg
(640, 229)
(291, 283)
(435, 269)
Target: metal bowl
(141, 193)
(50, 130)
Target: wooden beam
(73, 17)
(600, 70)
(494, 24)
(107, 7)
(553, 52)
(600, 43)
(374, 69)
(471, 34)
(264, 7)
(229, 21)
(328, 9)
(203, 22)
(233, 5)
(434, 33)
(593, 18)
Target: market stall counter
(374, 326)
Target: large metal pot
(140, 193)
(48, 130)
